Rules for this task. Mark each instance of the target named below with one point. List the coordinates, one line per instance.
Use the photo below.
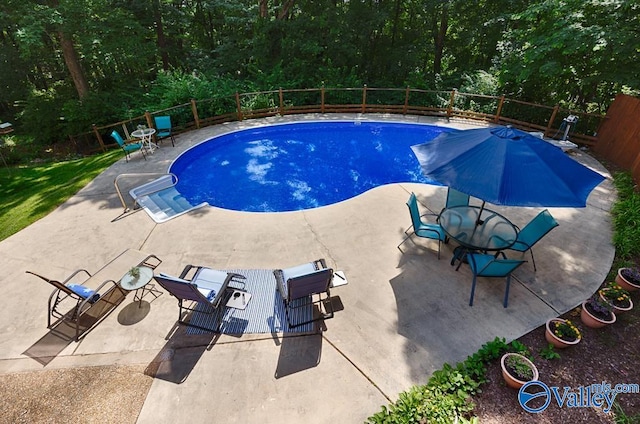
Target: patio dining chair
(127, 148)
(486, 265)
(164, 128)
(537, 228)
(456, 198)
(207, 289)
(421, 228)
(304, 285)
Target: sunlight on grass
(27, 193)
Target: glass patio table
(477, 229)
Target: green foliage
(549, 352)
(446, 396)
(622, 418)
(626, 218)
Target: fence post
(281, 101)
(238, 107)
(556, 108)
(147, 116)
(194, 110)
(364, 98)
(499, 110)
(406, 101)
(99, 137)
(322, 99)
(452, 99)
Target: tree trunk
(264, 8)
(161, 40)
(439, 39)
(73, 65)
(286, 8)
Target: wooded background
(68, 64)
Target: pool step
(164, 202)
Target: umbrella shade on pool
(506, 166)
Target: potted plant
(596, 313)
(562, 333)
(517, 370)
(628, 278)
(617, 297)
(134, 272)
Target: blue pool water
(300, 166)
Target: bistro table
(146, 135)
(477, 229)
(140, 284)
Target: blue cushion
(84, 292)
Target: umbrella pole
(479, 221)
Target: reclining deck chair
(207, 287)
(299, 284)
(92, 305)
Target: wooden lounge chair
(299, 285)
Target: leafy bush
(446, 396)
(626, 218)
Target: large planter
(514, 381)
(593, 321)
(556, 341)
(626, 284)
(617, 308)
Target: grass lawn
(27, 193)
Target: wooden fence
(405, 101)
(619, 135)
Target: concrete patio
(404, 314)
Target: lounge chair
(421, 228)
(128, 148)
(163, 125)
(485, 265)
(207, 287)
(92, 305)
(299, 285)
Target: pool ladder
(174, 181)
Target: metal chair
(207, 287)
(163, 126)
(456, 198)
(127, 148)
(485, 265)
(421, 228)
(537, 228)
(299, 284)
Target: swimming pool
(298, 166)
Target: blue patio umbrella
(506, 166)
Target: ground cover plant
(27, 193)
(607, 355)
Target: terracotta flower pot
(513, 381)
(617, 309)
(592, 321)
(556, 341)
(624, 283)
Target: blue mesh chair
(456, 198)
(485, 265)
(537, 228)
(163, 126)
(127, 147)
(420, 228)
